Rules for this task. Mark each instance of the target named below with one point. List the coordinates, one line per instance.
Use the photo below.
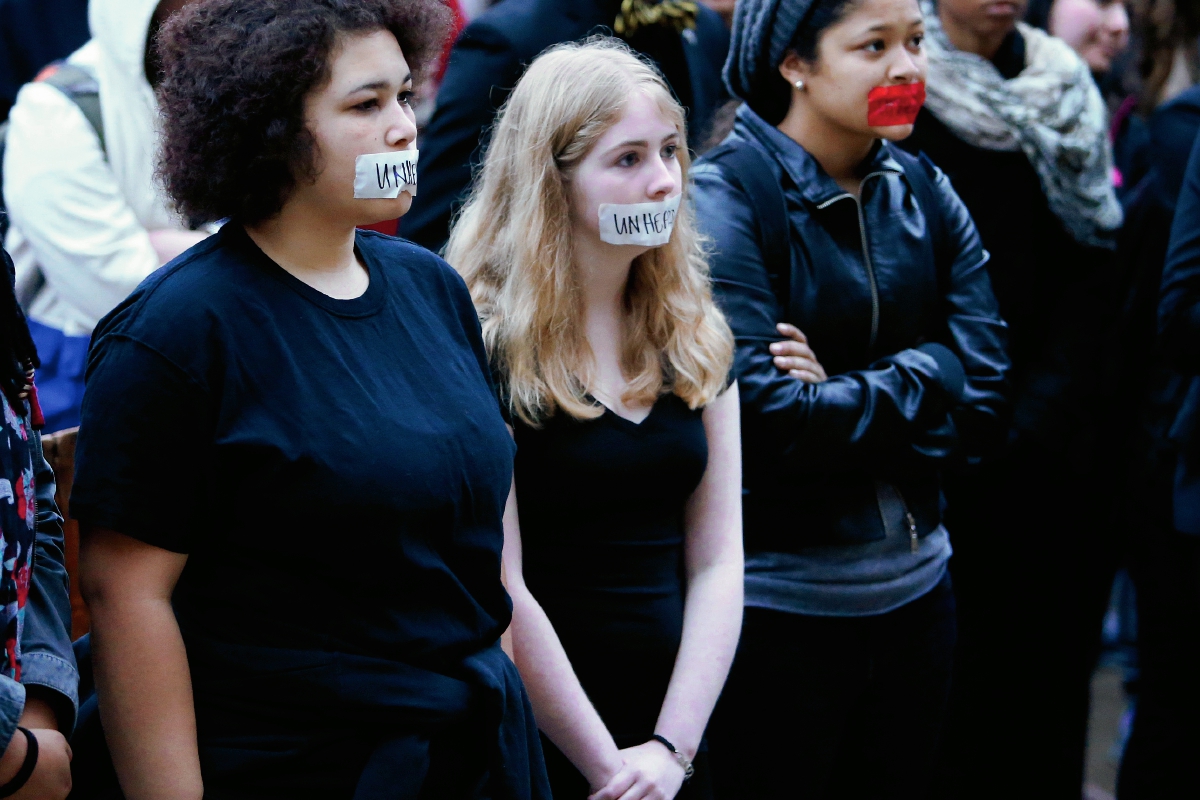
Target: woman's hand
(795, 357)
(650, 773)
(51, 778)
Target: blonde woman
(623, 532)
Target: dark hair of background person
(17, 352)
(774, 99)
(1161, 27)
(234, 81)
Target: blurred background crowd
(1067, 554)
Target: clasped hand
(795, 357)
(649, 772)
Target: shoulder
(47, 115)
(714, 171)
(416, 271)
(179, 306)
(721, 181)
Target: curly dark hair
(234, 80)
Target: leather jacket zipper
(911, 521)
(866, 251)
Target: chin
(894, 133)
(370, 212)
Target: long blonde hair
(512, 243)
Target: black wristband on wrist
(688, 768)
(27, 767)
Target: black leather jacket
(914, 346)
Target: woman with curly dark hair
(291, 468)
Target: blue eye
(627, 160)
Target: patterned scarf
(1052, 112)
(677, 14)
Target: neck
(968, 40)
(839, 152)
(314, 248)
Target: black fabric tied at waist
(326, 698)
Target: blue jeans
(60, 377)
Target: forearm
(712, 621)
(850, 421)
(145, 693)
(560, 704)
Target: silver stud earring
(800, 85)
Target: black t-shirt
(336, 469)
(602, 506)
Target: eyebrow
(641, 142)
(883, 26)
(376, 85)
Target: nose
(904, 67)
(401, 127)
(1116, 19)
(663, 181)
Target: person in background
(1164, 551)
(39, 682)
(1098, 30)
(1017, 123)
(623, 533)
(686, 41)
(870, 356)
(292, 471)
(89, 221)
(34, 33)
(1169, 34)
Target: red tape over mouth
(895, 105)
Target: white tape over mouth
(646, 224)
(383, 176)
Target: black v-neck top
(601, 507)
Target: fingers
(792, 349)
(806, 376)
(639, 791)
(792, 332)
(785, 363)
(617, 787)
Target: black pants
(1034, 560)
(835, 707)
(1160, 759)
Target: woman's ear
(795, 70)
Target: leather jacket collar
(809, 177)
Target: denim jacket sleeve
(47, 659)
(897, 409)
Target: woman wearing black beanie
(863, 260)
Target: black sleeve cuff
(950, 368)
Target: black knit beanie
(762, 32)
